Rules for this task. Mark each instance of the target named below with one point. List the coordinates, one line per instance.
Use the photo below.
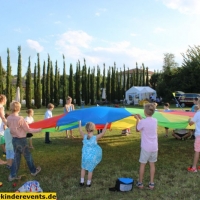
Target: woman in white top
(29, 119)
(68, 108)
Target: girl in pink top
(18, 129)
(149, 143)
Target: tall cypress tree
(98, 84)
(8, 81)
(44, 85)
(143, 75)
(104, 77)
(147, 76)
(39, 94)
(64, 94)
(88, 85)
(56, 88)
(51, 84)
(83, 82)
(108, 85)
(48, 81)
(86, 80)
(128, 80)
(137, 75)
(1, 77)
(124, 82)
(35, 86)
(19, 72)
(92, 86)
(28, 85)
(71, 82)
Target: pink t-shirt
(149, 138)
(19, 131)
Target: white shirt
(48, 114)
(29, 120)
(196, 120)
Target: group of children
(18, 127)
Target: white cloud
(74, 43)
(134, 34)
(184, 6)
(57, 22)
(34, 45)
(159, 30)
(97, 14)
(18, 30)
(100, 11)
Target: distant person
(91, 151)
(155, 104)
(181, 134)
(20, 142)
(149, 143)
(196, 120)
(166, 109)
(195, 102)
(68, 108)
(48, 114)
(29, 119)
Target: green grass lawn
(61, 164)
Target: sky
(106, 31)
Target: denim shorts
(146, 156)
(10, 154)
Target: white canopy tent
(135, 94)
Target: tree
(108, 85)
(8, 81)
(78, 84)
(1, 77)
(39, 95)
(19, 72)
(44, 85)
(48, 81)
(71, 82)
(92, 86)
(35, 86)
(51, 84)
(56, 88)
(64, 92)
(98, 91)
(137, 76)
(28, 85)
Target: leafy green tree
(19, 72)
(71, 82)
(143, 75)
(92, 86)
(147, 76)
(1, 77)
(39, 95)
(44, 85)
(137, 75)
(64, 94)
(83, 82)
(35, 86)
(113, 83)
(52, 84)
(78, 84)
(128, 80)
(8, 81)
(48, 81)
(124, 82)
(98, 91)
(28, 85)
(108, 85)
(88, 85)
(56, 88)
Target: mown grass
(61, 163)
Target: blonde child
(149, 143)
(19, 141)
(196, 120)
(48, 114)
(68, 108)
(29, 119)
(9, 146)
(3, 121)
(91, 151)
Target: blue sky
(105, 31)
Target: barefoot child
(91, 151)
(149, 143)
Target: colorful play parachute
(118, 118)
